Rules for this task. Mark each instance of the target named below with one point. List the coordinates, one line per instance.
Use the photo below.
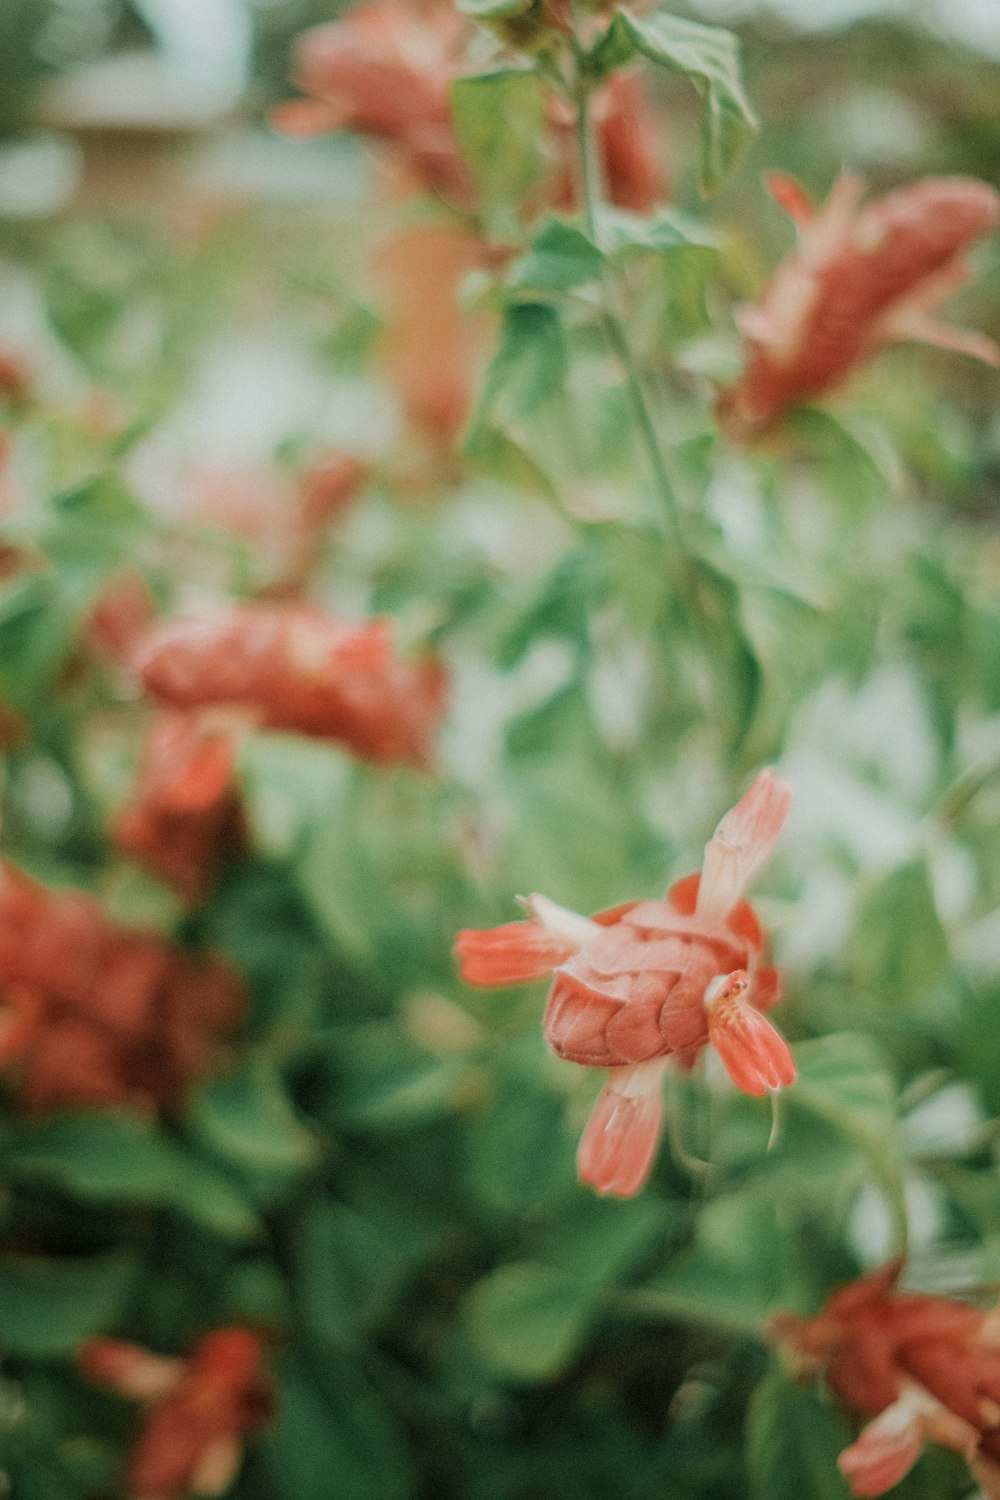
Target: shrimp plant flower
(653, 981)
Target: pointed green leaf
(527, 1319)
(793, 1442)
(499, 123)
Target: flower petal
(741, 844)
(886, 1450)
(753, 1053)
(619, 1144)
(511, 954)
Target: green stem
(613, 324)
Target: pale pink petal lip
(618, 1146)
(742, 844)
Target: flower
(197, 1411)
(185, 816)
(94, 1014)
(653, 980)
(294, 667)
(386, 71)
(858, 278)
(917, 1368)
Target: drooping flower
(197, 1412)
(95, 1014)
(294, 667)
(652, 981)
(917, 1368)
(859, 278)
(184, 817)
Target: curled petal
(886, 1450)
(741, 844)
(753, 1053)
(511, 954)
(619, 1143)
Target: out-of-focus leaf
(900, 946)
(346, 1270)
(51, 1303)
(709, 57)
(530, 363)
(106, 1158)
(560, 258)
(333, 1436)
(793, 1441)
(527, 1320)
(247, 1121)
(498, 121)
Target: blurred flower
(96, 1014)
(385, 71)
(197, 1411)
(652, 980)
(293, 667)
(431, 350)
(628, 143)
(184, 817)
(919, 1368)
(123, 611)
(858, 279)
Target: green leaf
(900, 946)
(667, 231)
(528, 1320)
(531, 361)
(346, 1271)
(494, 10)
(560, 258)
(709, 57)
(793, 1442)
(106, 1158)
(499, 122)
(501, 458)
(334, 1438)
(51, 1304)
(247, 1120)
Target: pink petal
(511, 954)
(753, 1053)
(741, 844)
(619, 1143)
(886, 1450)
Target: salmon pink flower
(858, 279)
(184, 817)
(94, 1014)
(386, 71)
(293, 667)
(917, 1368)
(654, 980)
(197, 1412)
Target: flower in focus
(293, 667)
(859, 278)
(197, 1412)
(653, 980)
(184, 818)
(93, 1014)
(918, 1368)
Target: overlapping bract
(651, 981)
(859, 278)
(918, 1368)
(197, 1412)
(94, 1014)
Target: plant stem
(613, 324)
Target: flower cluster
(184, 819)
(858, 279)
(386, 72)
(197, 1412)
(918, 1368)
(652, 981)
(296, 668)
(94, 1014)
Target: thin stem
(614, 326)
